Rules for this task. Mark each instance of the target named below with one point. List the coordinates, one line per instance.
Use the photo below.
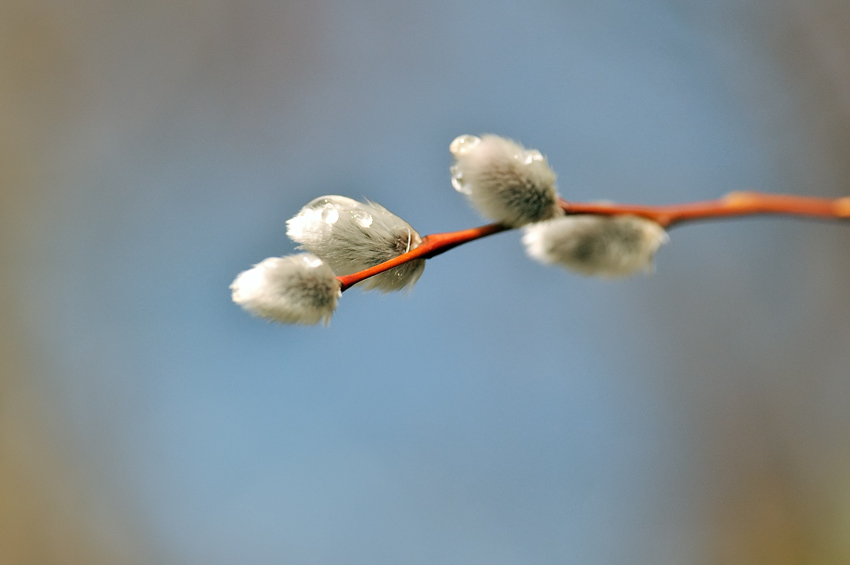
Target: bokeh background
(501, 413)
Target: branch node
(741, 198)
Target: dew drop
(312, 261)
(330, 214)
(457, 180)
(531, 156)
(362, 218)
(463, 144)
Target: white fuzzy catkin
(296, 289)
(503, 180)
(604, 246)
(352, 236)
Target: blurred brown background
(757, 384)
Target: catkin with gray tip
(352, 236)
(296, 289)
(503, 180)
(603, 246)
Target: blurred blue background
(502, 412)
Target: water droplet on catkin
(330, 214)
(531, 156)
(457, 180)
(463, 144)
(362, 218)
(311, 261)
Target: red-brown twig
(732, 205)
(431, 246)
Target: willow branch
(734, 204)
(431, 246)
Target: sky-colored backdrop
(500, 413)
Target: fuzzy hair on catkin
(503, 180)
(296, 289)
(352, 236)
(603, 246)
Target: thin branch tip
(733, 204)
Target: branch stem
(733, 204)
(431, 246)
